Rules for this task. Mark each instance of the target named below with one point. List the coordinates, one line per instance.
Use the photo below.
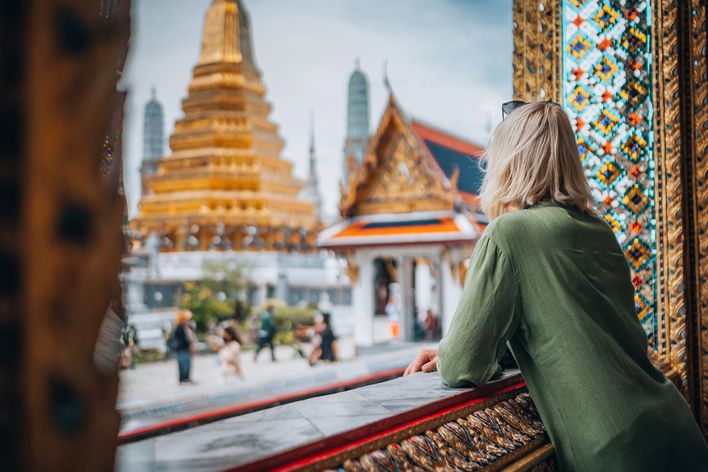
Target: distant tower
(357, 116)
(311, 189)
(153, 139)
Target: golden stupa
(225, 184)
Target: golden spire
(225, 169)
(226, 37)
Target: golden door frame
(680, 97)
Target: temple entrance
(404, 293)
(407, 299)
(385, 274)
(385, 308)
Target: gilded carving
(352, 270)
(537, 59)
(396, 176)
(700, 106)
(503, 434)
(669, 228)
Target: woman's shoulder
(509, 226)
(544, 225)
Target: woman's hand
(426, 361)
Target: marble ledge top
(241, 440)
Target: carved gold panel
(675, 41)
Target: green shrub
(205, 306)
(287, 318)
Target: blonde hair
(533, 157)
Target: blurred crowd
(313, 339)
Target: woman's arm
(486, 317)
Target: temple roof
(451, 152)
(418, 228)
(412, 166)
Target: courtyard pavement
(150, 393)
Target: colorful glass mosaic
(607, 94)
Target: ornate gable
(397, 174)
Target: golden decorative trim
(700, 132)
(537, 50)
(668, 197)
(519, 50)
(400, 435)
(502, 430)
(537, 74)
(538, 457)
(397, 175)
(352, 270)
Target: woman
(230, 354)
(183, 343)
(549, 277)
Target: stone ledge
(319, 431)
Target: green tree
(212, 299)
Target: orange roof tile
(365, 228)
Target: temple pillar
(450, 291)
(281, 288)
(261, 294)
(423, 287)
(363, 301)
(407, 302)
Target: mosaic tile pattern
(607, 94)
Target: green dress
(554, 283)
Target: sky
(448, 62)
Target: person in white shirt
(230, 354)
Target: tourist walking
(230, 354)
(549, 277)
(183, 342)
(266, 332)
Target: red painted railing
(312, 453)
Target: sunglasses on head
(508, 107)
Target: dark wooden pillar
(60, 230)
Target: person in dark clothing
(328, 339)
(182, 342)
(323, 343)
(266, 333)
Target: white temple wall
(450, 290)
(363, 300)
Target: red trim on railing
(313, 452)
(191, 421)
